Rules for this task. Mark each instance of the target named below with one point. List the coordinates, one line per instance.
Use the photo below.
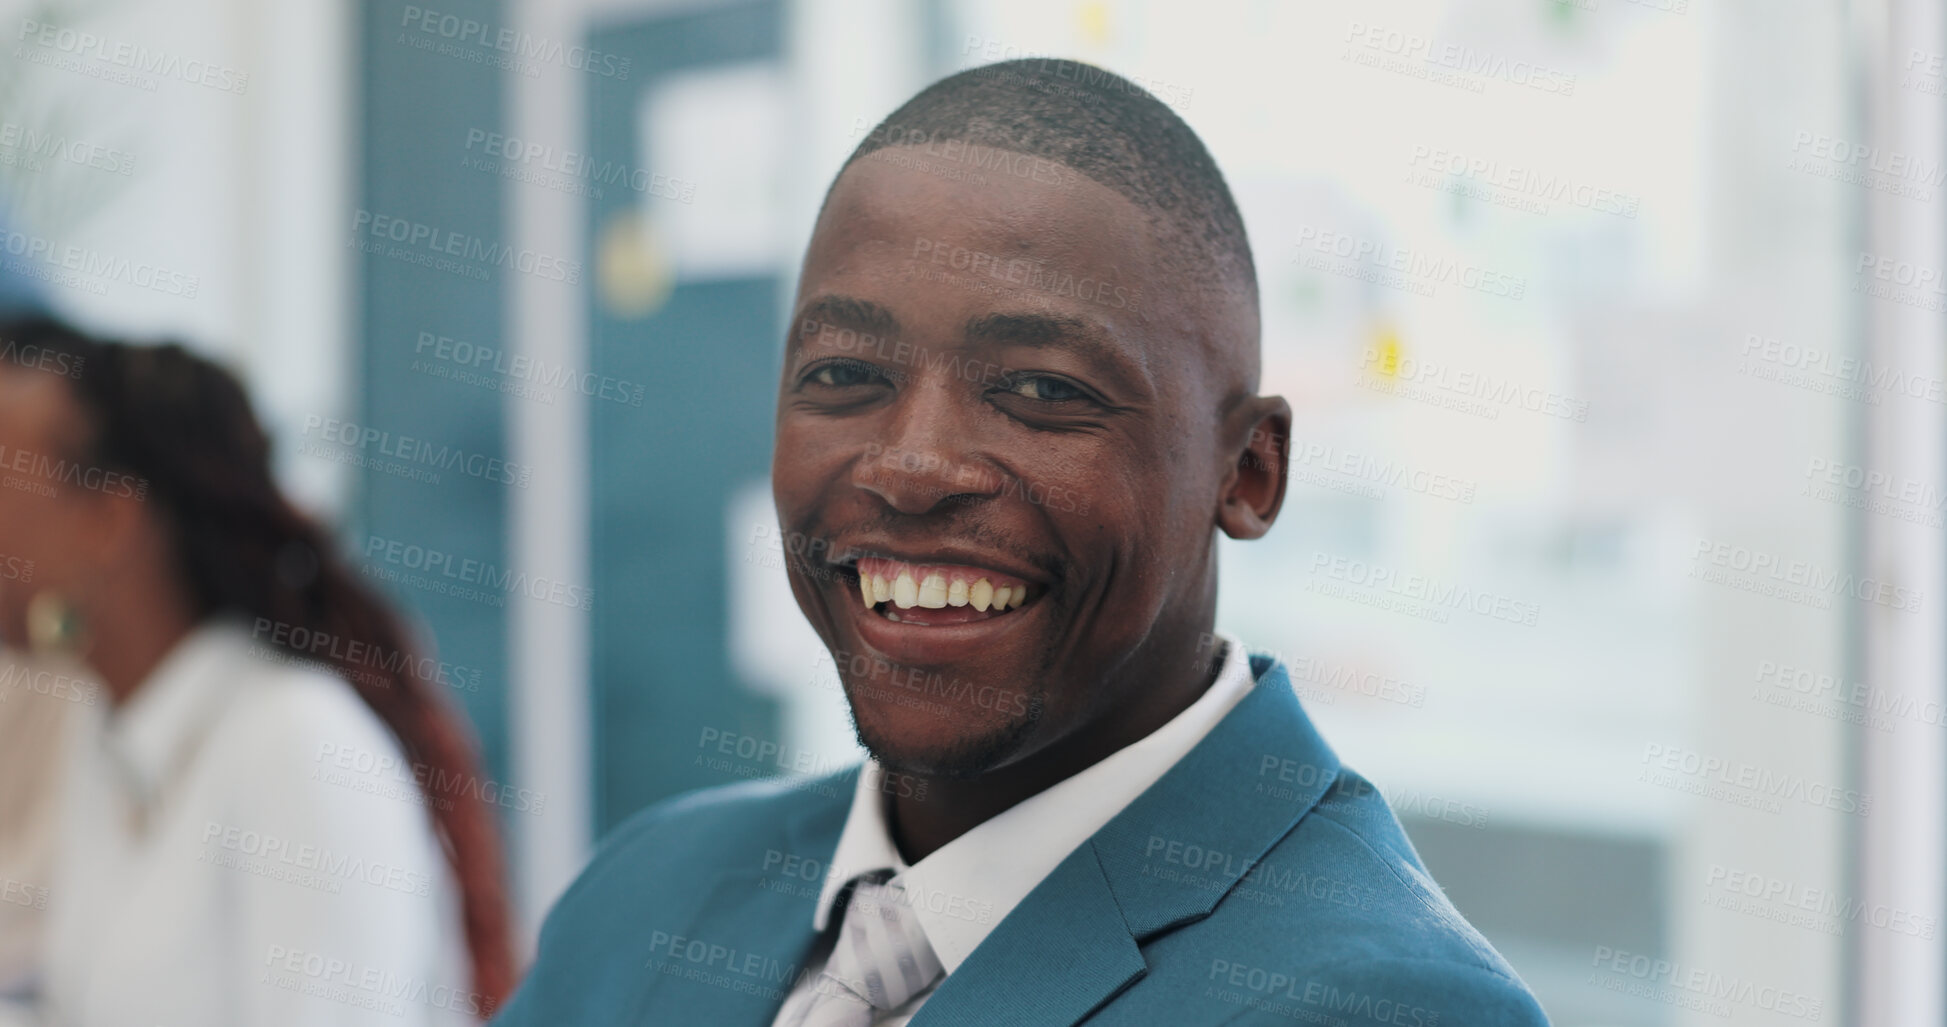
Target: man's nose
(926, 456)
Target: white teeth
(932, 591)
(874, 589)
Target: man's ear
(1254, 488)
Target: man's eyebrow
(863, 316)
(1081, 334)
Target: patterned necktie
(880, 960)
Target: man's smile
(936, 607)
(905, 592)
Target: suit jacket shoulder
(1339, 922)
(650, 878)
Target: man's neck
(954, 806)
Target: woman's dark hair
(184, 425)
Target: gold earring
(54, 625)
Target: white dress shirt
(243, 845)
(963, 890)
(36, 701)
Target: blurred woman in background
(273, 817)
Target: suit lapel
(1176, 851)
(1050, 967)
(753, 930)
(736, 961)
(1073, 943)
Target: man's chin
(942, 748)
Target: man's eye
(1043, 387)
(843, 373)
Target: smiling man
(1019, 401)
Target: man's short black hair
(1100, 125)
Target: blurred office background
(1619, 319)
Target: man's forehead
(910, 196)
(896, 229)
(926, 271)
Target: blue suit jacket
(1257, 882)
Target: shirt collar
(962, 891)
(154, 733)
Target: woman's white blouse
(243, 844)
